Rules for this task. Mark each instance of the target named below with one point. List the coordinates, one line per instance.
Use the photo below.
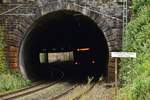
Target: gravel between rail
(100, 92)
(94, 91)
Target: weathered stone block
(20, 1)
(6, 1)
(12, 54)
(14, 65)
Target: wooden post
(117, 55)
(116, 76)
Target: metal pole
(116, 76)
(125, 21)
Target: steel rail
(85, 92)
(32, 85)
(28, 91)
(64, 93)
(71, 89)
(31, 89)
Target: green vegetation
(135, 73)
(9, 80)
(3, 63)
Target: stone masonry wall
(108, 16)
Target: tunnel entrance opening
(65, 40)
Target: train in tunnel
(74, 62)
(79, 56)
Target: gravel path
(99, 92)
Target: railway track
(26, 91)
(70, 90)
(39, 86)
(64, 93)
(85, 92)
(35, 87)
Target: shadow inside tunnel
(64, 31)
(72, 74)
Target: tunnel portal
(64, 31)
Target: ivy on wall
(9, 80)
(3, 62)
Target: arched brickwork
(17, 26)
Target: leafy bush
(139, 4)
(3, 63)
(135, 73)
(12, 81)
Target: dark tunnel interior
(64, 31)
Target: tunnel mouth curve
(65, 31)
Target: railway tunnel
(64, 31)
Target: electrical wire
(106, 15)
(10, 10)
(99, 12)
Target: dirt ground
(98, 92)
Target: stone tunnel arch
(16, 26)
(62, 28)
